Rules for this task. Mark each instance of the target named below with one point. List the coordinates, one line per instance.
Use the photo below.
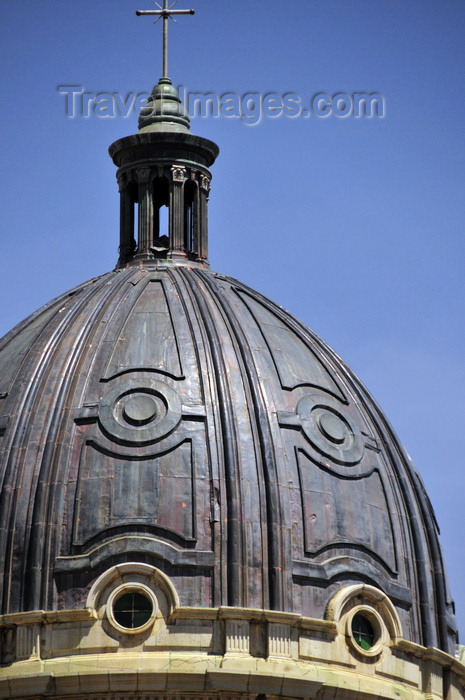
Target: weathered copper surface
(170, 415)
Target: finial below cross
(165, 13)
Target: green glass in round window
(132, 610)
(363, 632)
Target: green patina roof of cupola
(164, 110)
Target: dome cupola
(163, 176)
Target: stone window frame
(376, 607)
(126, 578)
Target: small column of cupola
(145, 218)
(177, 209)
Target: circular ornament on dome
(139, 410)
(329, 429)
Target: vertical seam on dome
(438, 575)
(217, 538)
(234, 539)
(274, 539)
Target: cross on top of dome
(166, 13)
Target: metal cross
(165, 13)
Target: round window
(363, 632)
(132, 608)
(366, 630)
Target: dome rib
(276, 564)
(229, 443)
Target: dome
(171, 415)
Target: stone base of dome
(214, 654)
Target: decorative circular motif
(329, 429)
(332, 427)
(139, 411)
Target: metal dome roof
(166, 414)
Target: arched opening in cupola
(191, 217)
(161, 214)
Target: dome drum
(209, 652)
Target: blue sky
(355, 225)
